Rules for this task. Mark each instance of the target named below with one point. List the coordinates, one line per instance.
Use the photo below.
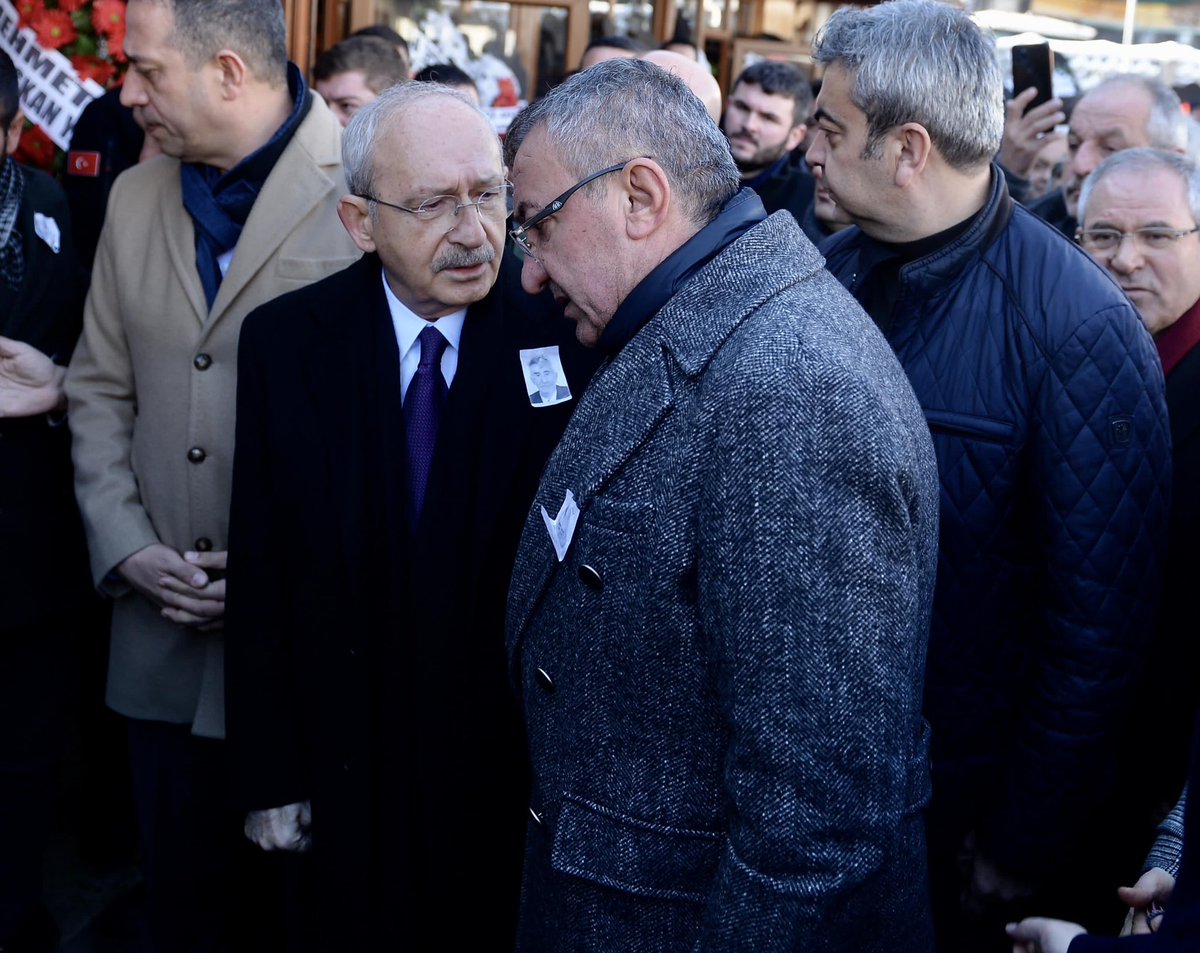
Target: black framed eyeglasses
(520, 233)
(491, 202)
(1152, 237)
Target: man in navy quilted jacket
(1045, 400)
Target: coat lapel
(181, 247)
(1183, 385)
(355, 395)
(628, 398)
(294, 187)
(624, 402)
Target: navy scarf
(740, 214)
(219, 204)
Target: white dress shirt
(408, 327)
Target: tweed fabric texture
(722, 679)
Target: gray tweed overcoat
(722, 678)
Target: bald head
(698, 79)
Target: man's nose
(1128, 257)
(133, 90)
(1085, 160)
(533, 276)
(815, 155)
(468, 226)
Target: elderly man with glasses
(387, 452)
(719, 610)
(1139, 212)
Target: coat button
(196, 455)
(537, 818)
(542, 677)
(204, 545)
(202, 362)
(591, 577)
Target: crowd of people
(746, 524)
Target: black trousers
(38, 674)
(207, 888)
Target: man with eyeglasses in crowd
(1046, 406)
(387, 452)
(1139, 211)
(1123, 112)
(719, 608)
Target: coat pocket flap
(638, 857)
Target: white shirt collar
(409, 325)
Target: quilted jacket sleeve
(1100, 479)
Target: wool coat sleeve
(101, 392)
(817, 532)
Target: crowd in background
(784, 544)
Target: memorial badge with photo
(545, 381)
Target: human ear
(913, 148)
(356, 219)
(647, 198)
(233, 73)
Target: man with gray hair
(719, 608)
(1045, 401)
(386, 437)
(1140, 214)
(1123, 112)
(240, 209)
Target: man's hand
(30, 383)
(183, 586)
(990, 885)
(1153, 887)
(1039, 935)
(1024, 131)
(281, 828)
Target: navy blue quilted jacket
(1045, 399)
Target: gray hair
(624, 109)
(1167, 126)
(360, 136)
(924, 62)
(254, 29)
(1146, 160)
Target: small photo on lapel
(545, 381)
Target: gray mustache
(464, 258)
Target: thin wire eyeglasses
(520, 233)
(491, 201)
(1153, 237)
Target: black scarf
(220, 203)
(12, 255)
(738, 216)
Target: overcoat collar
(296, 185)
(634, 392)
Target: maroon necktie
(422, 416)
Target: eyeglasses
(1152, 238)
(491, 202)
(520, 233)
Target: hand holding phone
(1033, 65)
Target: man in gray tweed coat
(719, 611)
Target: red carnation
(27, 10)
(54, 29)
(93, 67)
(108, 16)
(36, 148)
